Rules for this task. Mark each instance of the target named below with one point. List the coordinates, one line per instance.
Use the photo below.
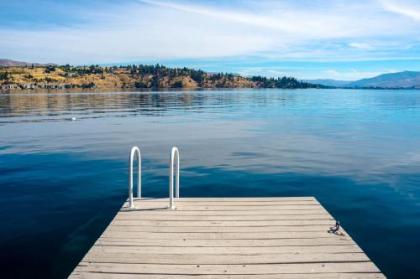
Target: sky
(307, 39)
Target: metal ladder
(173, 161)
(173, 171)
(134, 151)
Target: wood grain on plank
(230, 269)
(225, 238)
(102, 275)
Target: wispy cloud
(362, 46)
(353, 74)
(154, 31)
(408, 9)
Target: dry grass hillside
(132, 76)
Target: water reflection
(285, 131)
(148, 103)
(357, 151)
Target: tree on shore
(4, 75)
(156, 76)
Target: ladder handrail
(134, 151)
(174, 155)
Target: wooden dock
(225, 238)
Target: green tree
(4, 75)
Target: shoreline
(169, 89)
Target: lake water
(62, 181)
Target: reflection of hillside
(20, 105)
(147, 103)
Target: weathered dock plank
(225, 238)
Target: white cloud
(362, 46)
(408, 9)
(352, 74)
(155, 30)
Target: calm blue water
(61, 181)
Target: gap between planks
(225, 238)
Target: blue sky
(307, 39)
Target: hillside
(407, 79)
(399, 80)
(13, 63)
(131, 76)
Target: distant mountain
(406, 79)
(13, 63)
(329, 82)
